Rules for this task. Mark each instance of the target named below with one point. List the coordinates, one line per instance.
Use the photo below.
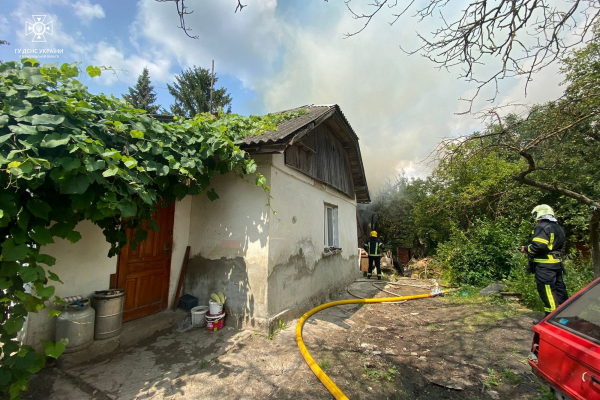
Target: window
(331, 226)
(582, 315)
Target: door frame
(121, 266)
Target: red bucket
(214, 322)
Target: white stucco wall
(297, 270)
(181, 233)
(229, 241)
(85, 267)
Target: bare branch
(522, 36)
(239, 6)
(182, 11)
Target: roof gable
(292, 131)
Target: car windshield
(583, 315)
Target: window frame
(334, 225)
(555, 318)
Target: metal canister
(109, 313)
(76, 323)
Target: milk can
(109, 312)
(76, 323)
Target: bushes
(487, 252)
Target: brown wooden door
(144, 273)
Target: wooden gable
(321, 155)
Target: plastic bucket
(214, 322)
(214, 307)
(198, 315)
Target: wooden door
(144, 273)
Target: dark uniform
(545, 250)
(375, 249)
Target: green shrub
(485, 253)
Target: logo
(38, 29)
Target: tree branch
(522, 178)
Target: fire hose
(319, 373)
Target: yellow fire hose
(325, 380)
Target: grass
(493, 379)
(544, 394)
(376, 376)
(488, 318)
(432, 327)
(325, 365)
(510, 377)
(281, 326)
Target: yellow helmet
(542, 209)
(373, 233)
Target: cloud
(4, 27)
(87, 11)
(245, 45)
(127, 68)
(400, 106)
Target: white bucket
(198, 315)
(215, 308)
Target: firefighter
(545, 250)
(375, 249)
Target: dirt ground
(454, 347)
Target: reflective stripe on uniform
(540, 240)
(550, 298)
(551, 241)
(549, 260)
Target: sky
(272, 56)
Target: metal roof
(294, 129)
(290, 127)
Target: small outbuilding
(273, 255)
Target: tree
(191, 91)
(556, 145)
(142, 95)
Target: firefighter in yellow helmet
(375, 248)
(545, 250)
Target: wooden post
(181, 277)
(212, 84)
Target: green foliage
(484, 253)
(142, 95)
(66, 156)
(191, 92)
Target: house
(273, 255)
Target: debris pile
(423, 268)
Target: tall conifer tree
(142, 95)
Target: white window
(331, 226)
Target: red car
(565, 352)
